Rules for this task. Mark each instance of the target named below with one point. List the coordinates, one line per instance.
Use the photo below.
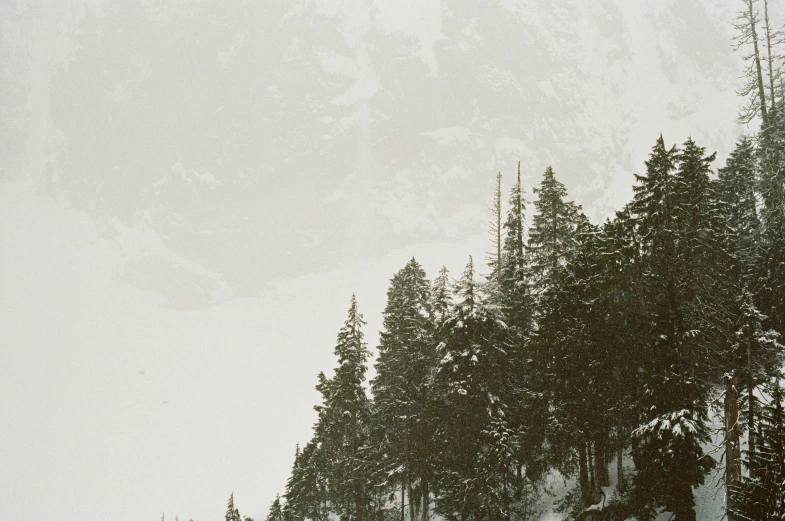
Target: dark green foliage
(551, 237)
(771, 153)
(672, 210)
(232, 512)
(670, 461)
(404, 427)
(477, 448)
(343, 428)
(525, 403)
(276, 511)
(306, 488)
(583, 343)
(762, 498)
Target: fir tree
(572, 331)
(343, 427)
(232, 512)
(402, 387)
(771, 153)
(495, 255)
(276, 511)
(306, 488)
(515, 296)
(763, 497)
(551, 242)
(624, 327)
(441, 299)
(552, 232)
(477, 452)
(670, 206)
(526, 406)
(737, 228)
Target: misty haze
(558, 229)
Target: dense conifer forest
(650, 344)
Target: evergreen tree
(737, 228)
(232, 512)
(623, 327)
(572, 330)
(552, 232)
(738, 223)
(495, 255)
(441, 298)
(477, 452)
(771, 153)
(343, 427)
(670, 204)
(402, 387)
(551, 242)
(306, 488)
(276, 511)
(763, 497)
(526, 406)
(516, 300)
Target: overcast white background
(190, 191)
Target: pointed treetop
(466, 290)
(495, 255)
(350, 345)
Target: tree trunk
(403, 502)
(412, 503)
(620, 469)
(601, 465)
(592, 474)
(756, 57)
(750, 407)
(583, 475)
(732, 450)
(767, 27)
(426, 501)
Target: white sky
(190, 193)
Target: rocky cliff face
(249, 141)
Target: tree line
(586, 345)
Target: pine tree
(477, 452)
(495, 255)
(276, 511)
(343, 427)
(516, 300)
(771, 151)
(762, 497)
(306, 488)
(738, 223)
(670, 205)
(737, 228)
(552, 232)
(551, 242)
(747, 20)
(624, 327)
(572, 330)
(232, 513)
(402, 387)
(696, 247)
(441, 299)
(526, 407)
